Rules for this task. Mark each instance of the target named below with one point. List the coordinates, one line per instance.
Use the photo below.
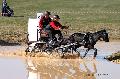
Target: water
(45, 68)
(73, 69)
(79, 69)
(12, 68)
(107, 70)
(60, 69)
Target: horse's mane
(100, 31)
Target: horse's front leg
(86, 52)
(95, 53)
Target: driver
(56, 27)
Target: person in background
(4, 5)
(6, 10)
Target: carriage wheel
(27, 50)
(60, 53)
(49, 52)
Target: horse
(68, 44)
(88, 40)
(76, 40)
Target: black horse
(76, 40)
(88, 40)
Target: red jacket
(55, 25)
(44, 22)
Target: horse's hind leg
(63, 54)
(78, 53)
(71, 49)
(95, 53)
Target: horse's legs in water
(86, 52)
(75, 49)
(95, 53)
(78, 53)
(62, 53)
(71, 50)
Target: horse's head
(104, 35)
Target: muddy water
(107, 69)
(105, 49)
(72, 69)
(46, 68)
(86, 68)
(12, 68)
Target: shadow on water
(4, 43)
(60, 69)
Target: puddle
(107, 70)
(76, 68)
(106, 49)
(12, 68)
(72, 69)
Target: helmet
(47, 13)
(56, 16)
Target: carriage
(38, 40)
(34, 36)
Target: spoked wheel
(60, 52)
(31, 51)
(49, 52)
(27, 50)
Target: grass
(81, 15)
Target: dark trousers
(51, 32)
(54, 32)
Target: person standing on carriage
(44, 21)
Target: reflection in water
(89, 69)
(32, 71)
(60, 69)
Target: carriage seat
(43, 34)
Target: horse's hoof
(62, 56)
(78, 55)
(82, 57)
